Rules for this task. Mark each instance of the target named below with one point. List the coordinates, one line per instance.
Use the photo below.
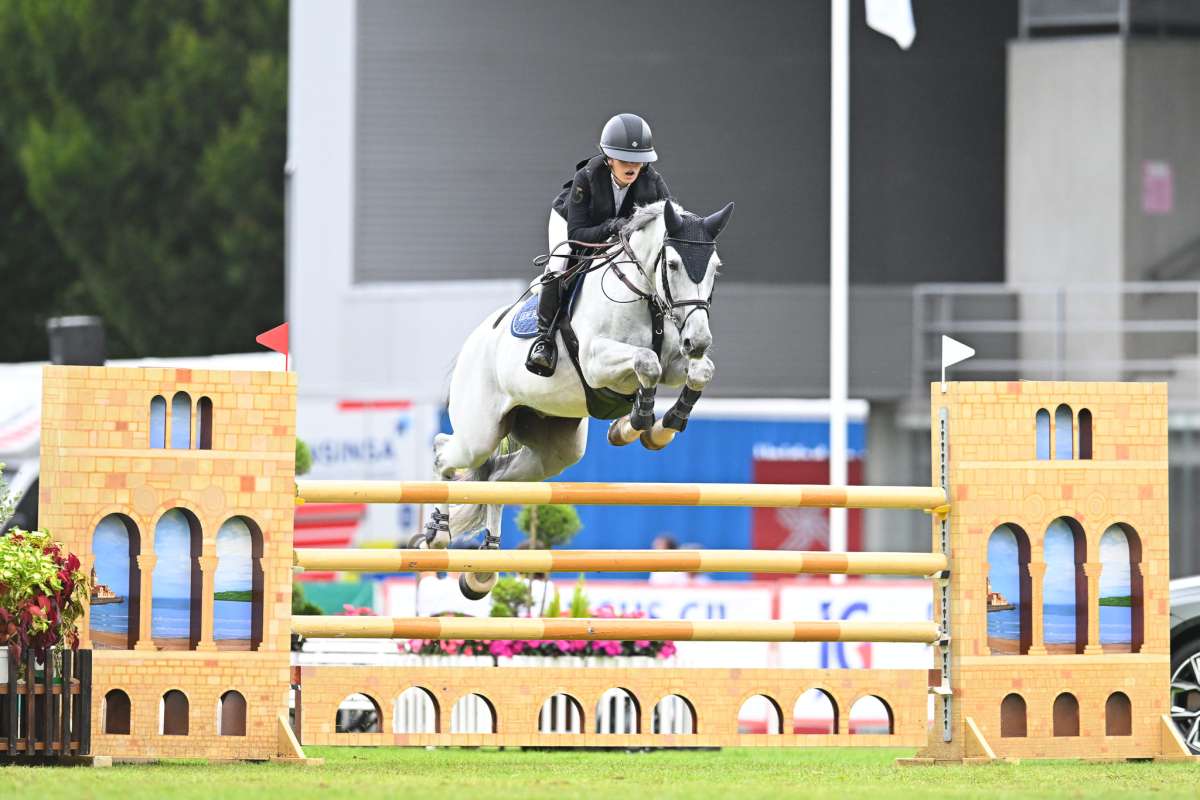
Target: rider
(591, 209)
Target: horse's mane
(644, 215)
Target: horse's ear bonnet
(715, 223)
(694, 238)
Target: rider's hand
(613, 225)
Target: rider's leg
(543, 353)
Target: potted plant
(43, 593)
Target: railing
(1132, 331)
(47, 715)
(1065, 17)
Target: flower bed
(509, 648)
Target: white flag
(893, 18)
(954, 351)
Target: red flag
(277, 340)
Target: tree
(150, 136)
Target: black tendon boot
(543, 353)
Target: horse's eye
(674, 265)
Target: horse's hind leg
(547, 447)
(473, 442)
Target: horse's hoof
(473, 588)
(417, 542)
(616, 433)
(647, 440)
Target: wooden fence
(47, 715)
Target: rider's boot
(543, 353)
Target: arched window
(1012, 716)
(1121, 608)
(1042, 430)
(358, 713)
(204, 411)
(158, 422)
(760, 714)
(1064, 434)
(1066, 715)
(1064, 587)
(177, 581)
(117, 713)
(1085, 433)
(561, 713)
(618, 711)
(181, 421)
(116, 593)
(473, 713)
(815, 711)
(415, 711)
(238, 586)
(1009, 592)
(1118, 715)
(173, 714)
(674, 714)
(231, 714)
(871, 714)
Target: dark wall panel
(470, 115)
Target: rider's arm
(579, 213)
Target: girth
(605, 403)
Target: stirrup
(491, 541)
(546, 345)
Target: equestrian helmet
(627, 137)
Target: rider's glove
(612, 226)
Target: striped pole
(755, 495)
(763, 561)
(538, 629)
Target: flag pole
(839, 243)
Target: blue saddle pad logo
(524, 322)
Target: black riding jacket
(587, 203)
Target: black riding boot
(543, 353)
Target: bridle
(662, 305)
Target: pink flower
(668, 650)
(605, 612)
(642, 644)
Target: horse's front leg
(615, 365)
(700, 374)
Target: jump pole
(612, 629)
(755, 495)
(761, 561)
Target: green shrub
(303, 458)
(551, 525)
(579, 601)
(509, 596)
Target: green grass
(1125, 601)
(367, 774)
(241, 595)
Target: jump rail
(612, 629)
(755, 495)
(764, 561)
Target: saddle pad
(524, 322)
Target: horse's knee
(700, 373)
(647, 367)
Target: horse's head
(683, 255)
